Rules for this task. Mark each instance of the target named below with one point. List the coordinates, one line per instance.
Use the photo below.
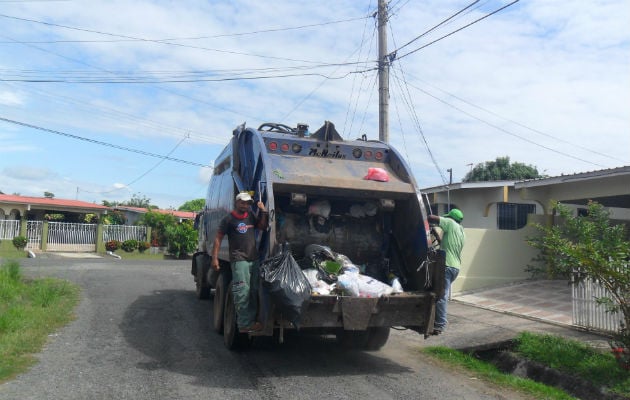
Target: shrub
(20, 242)
(130, 245)
(182, 239)
(589, 247)
(112, 245)
(142, 246)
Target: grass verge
(29, 311)
(7, 252)
(576, 358)
(490, 373)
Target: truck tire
(218, 305)
(202, 289)
(376, 337)
(232, 338)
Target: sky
(106, 100)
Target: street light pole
(448, 190)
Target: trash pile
(332, 273)
(322, 272)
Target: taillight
(378, 155)
(368, 153)
(284, 147)
(273, 146)
(357, 153)
(296, 148)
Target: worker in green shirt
(452, 243)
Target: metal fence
(34, 234)
(9, 228)
(64, 236)
(124, 232)
(587, 312)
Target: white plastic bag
(370, 287)
(348, 283)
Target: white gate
(124, 232)
(34, 234)
(64, 236)
(9, 228)
(587, 313)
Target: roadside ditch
(502, 356)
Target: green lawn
(30, 310)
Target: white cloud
(559, 68)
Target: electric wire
(173, 92)
(358, 49)
(115, 146)
(507, 131)
(158, 41)
(355, 77)
(393, 54)
(270, 30)
(584, 148)
(118, 115)
(408, 99)
(435, 27)
(128, 185)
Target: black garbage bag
(287, 286)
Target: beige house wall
(493, 258)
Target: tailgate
(415, 310)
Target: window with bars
(512, 216)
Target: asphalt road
(140, 333)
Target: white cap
(244, 196)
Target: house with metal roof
(496, 216)
(14, 207)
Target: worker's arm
(435, 219)
(215, 250)
(263, 216)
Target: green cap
(455, 214)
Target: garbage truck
(355, 197)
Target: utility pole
(383, 74)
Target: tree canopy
(193, 205)
(501, 169)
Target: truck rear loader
(381, 225)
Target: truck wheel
(377, 337)
(232, 338)
(218, 305)
(202, 289)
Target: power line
(270, 30)
(124, 80)
(408, 99)
(590, 150)
(393, 54)
(505, 130)
(435, 27)
(145, 153)
(156, 41)
(144, 174)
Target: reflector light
(273, 146)
(284, 147)
(378, 155)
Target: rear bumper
(412, 310)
